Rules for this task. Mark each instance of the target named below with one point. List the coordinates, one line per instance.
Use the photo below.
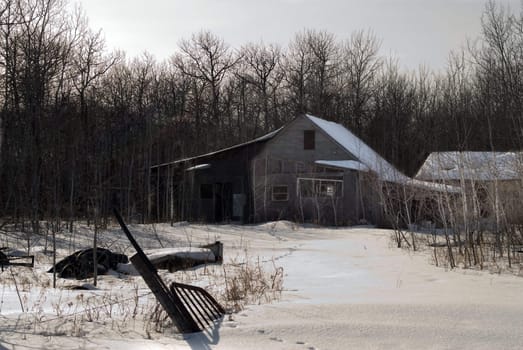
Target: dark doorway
(222, 201)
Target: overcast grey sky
(415, 31)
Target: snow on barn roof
(355, 146)
(344, 164)
(483, 166)
(369, 158)
(199, 167)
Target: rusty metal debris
(190, 308)
(79, 265)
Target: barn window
(320, 188)
(280, 193)
(309, 141)
(206, 191)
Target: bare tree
(8, 18)
(499, 72)
(260, 68)
(360, 65)
(208, 59)
(390, 127)
(324, 53)
(90, 63)
(298, 68)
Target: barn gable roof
(262, 138)
(359, 149)
(370, 158)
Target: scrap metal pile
(80, 265)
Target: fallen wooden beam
(8, 260)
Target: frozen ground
(343, 289)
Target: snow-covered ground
(343, 289)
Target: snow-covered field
(343, 289)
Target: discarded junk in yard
(80, 264)
(191, 308)
(175, 259)
(15, 260)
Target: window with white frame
(311, 187)
(280, 193)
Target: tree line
(79, 123)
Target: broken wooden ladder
(190, 308)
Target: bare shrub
(249, 282)
(477, 225)
(157, 320)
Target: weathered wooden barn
(491, 183)
(310, 170)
